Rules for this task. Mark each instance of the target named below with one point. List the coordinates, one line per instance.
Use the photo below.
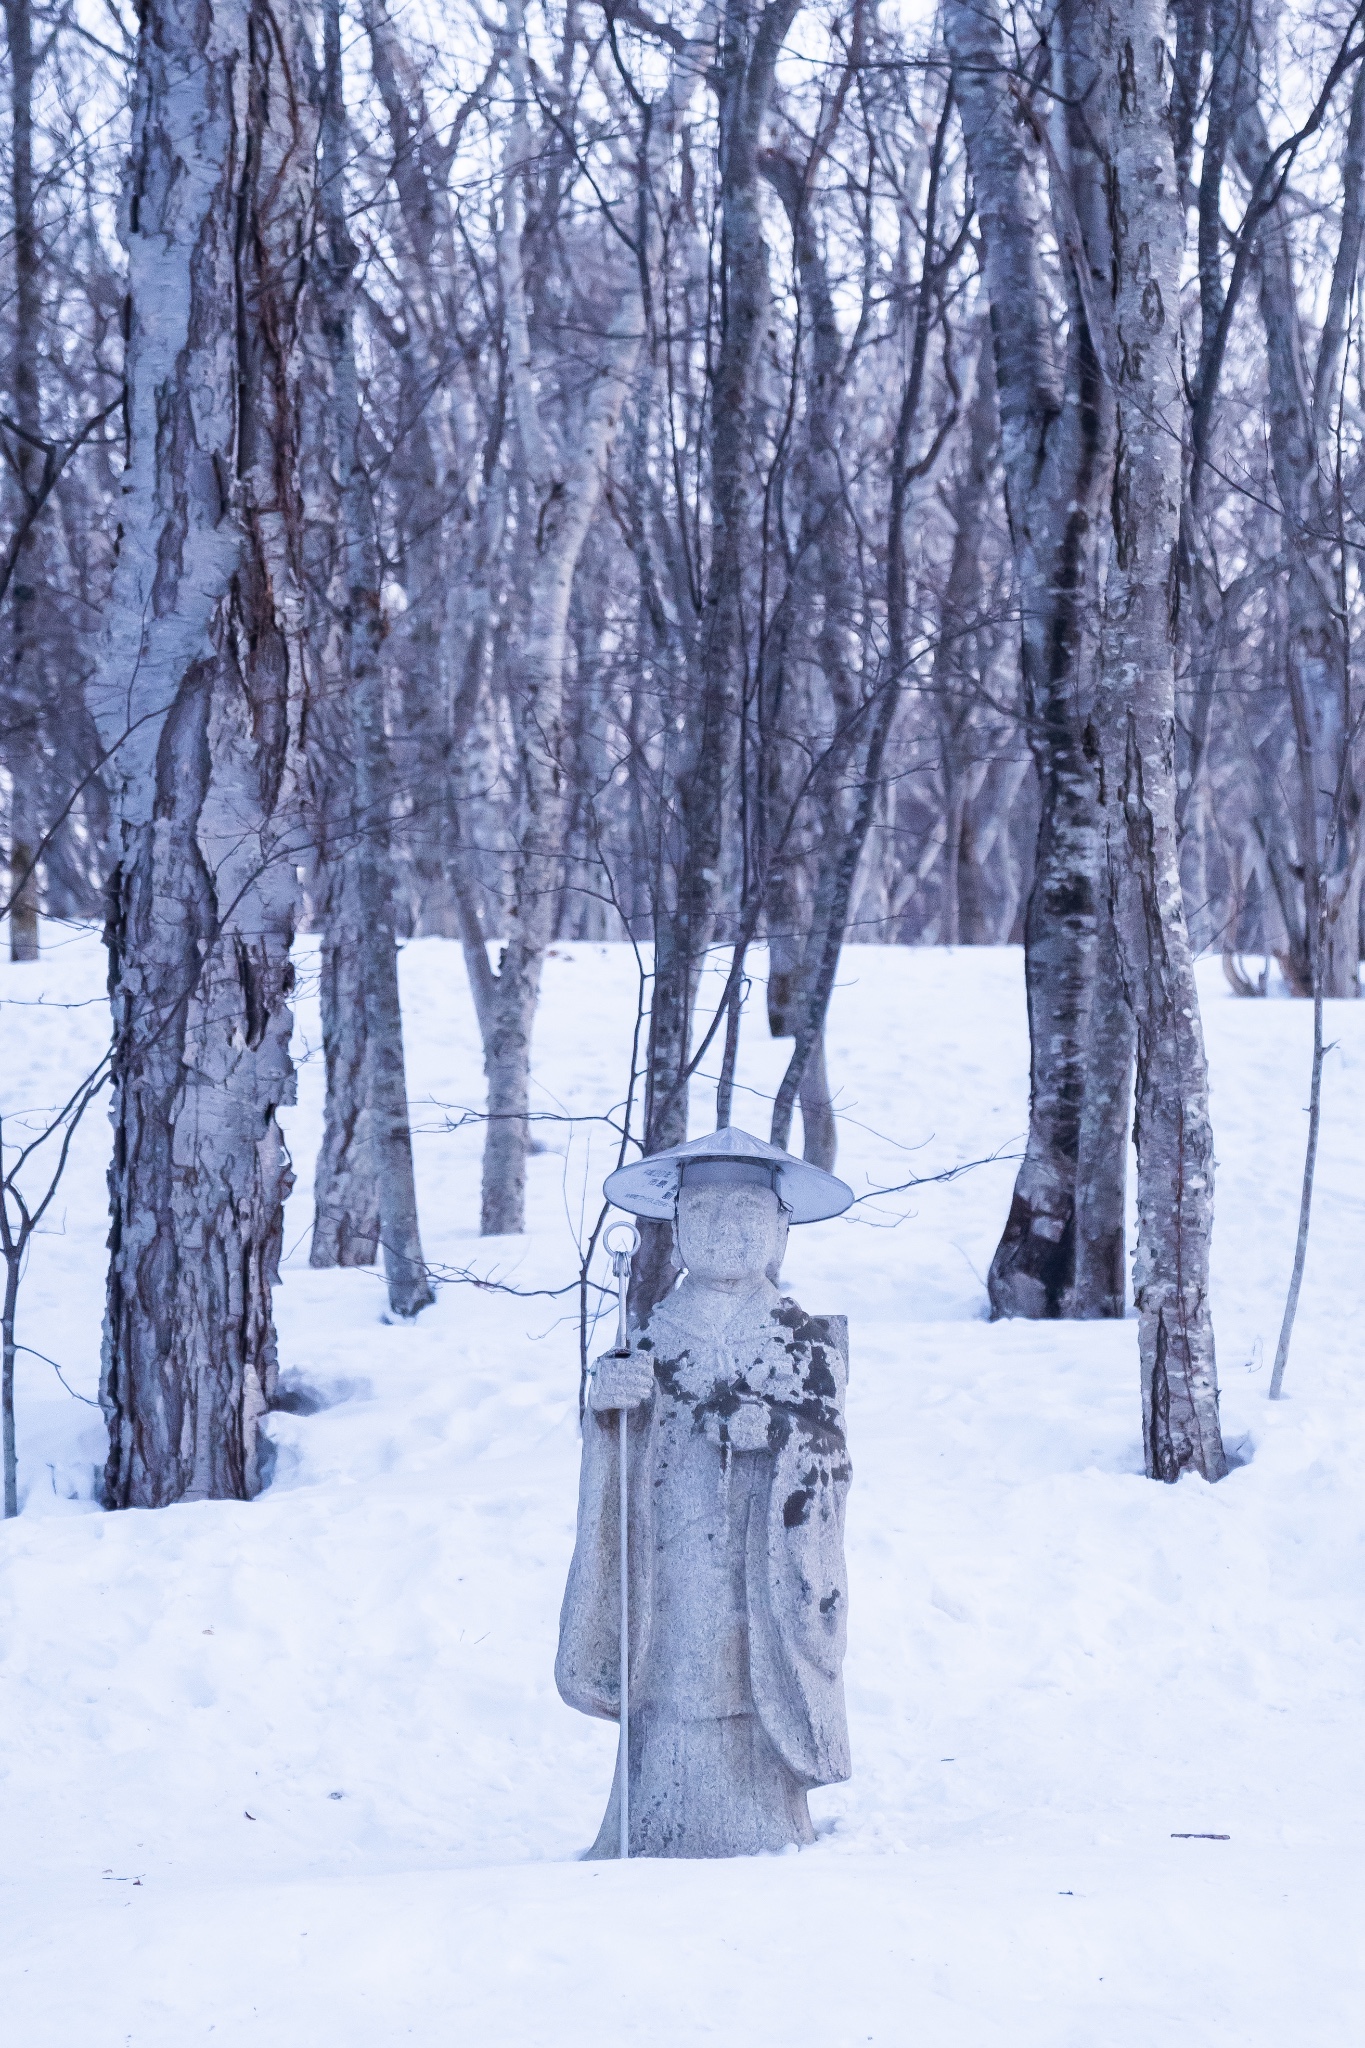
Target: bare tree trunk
(436, 521)
(346, 1226)
(1100, 1287)
(725, 1087)
(1328, 811)
(821, 580)
(25, 832)
(1056, 441)
(449, 535)
(409, 1284)
(751, 37)
(1174, 1137)
(22, 745)
(819, 1131)
(822, 961)
(990, 904)
(345, 1183)
(959, 613)
(200, 691)
(359, 682)
(421, 763)
(1223, 25)
(561, 497)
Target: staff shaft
(622, 1418)
(620, 1260)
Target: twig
(465, 1276)
(926, 1180)
(61, 1376)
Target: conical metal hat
(649, 1187)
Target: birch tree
(751, 35)
(448, 488)
(1173, 1134)
(845, 746)
(561, 486)
(26, 430)
(820, 620)
(365, 1171)
(1324, 851)
(200, 694)
(1056, 418)
(62, 367)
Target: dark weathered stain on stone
(796, 1507)
(819, 1379)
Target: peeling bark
(20, 741)
(1100, 1285)
(1137, 719)
(561, 498)
(1056, 446)
(823, 600)
(752, 33)
(959, 610)
(371, 1108)
(201, 693)
(345, 1182)
(1325, 825)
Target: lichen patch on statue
(737, 1475)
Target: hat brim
(649, 1187)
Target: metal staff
(621, 1254)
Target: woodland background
(753, 475)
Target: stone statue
(737, 1476)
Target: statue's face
(730, 1233)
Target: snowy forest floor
(296, 1773)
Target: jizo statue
(737, 1472)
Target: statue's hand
(620, 1383)
(745, 1430)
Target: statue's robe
(738, 1587)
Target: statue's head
(730, 1224)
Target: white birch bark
(200, 690)
(449, 506)
(354, 679)
(750, 35)
(1056, 451)
(1173, 1133)
(1327, 844)
(561, 491)
(345, 1182)
(23, 755)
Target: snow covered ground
(296, 1772)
